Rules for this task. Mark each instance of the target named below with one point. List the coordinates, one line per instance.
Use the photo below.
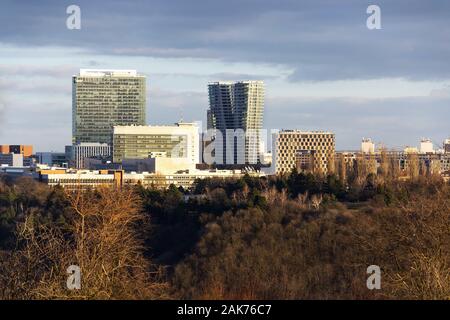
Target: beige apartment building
(307, 151)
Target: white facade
(426, 146)
(107, 72)
(87, 150)
(367, 146)
(93, 179)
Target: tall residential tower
(236, 113)
(102, 99)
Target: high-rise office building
(308, 151)
(102, 99)
(140, 142)
(236, 113)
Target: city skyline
(396, 92)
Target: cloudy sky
(323, 68)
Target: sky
(322, 67)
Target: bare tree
(101, 239)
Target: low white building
(140, 142)
(83, 179)
(367, 146)
(426, 146)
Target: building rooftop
(107, 72)
(234, 82)
(131, 129)
(304, 132)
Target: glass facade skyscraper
(102, 99)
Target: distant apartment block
(102, 99)
(239, 107)
(25, 150)
(308, 151)
(11, 159)
(140, 142)
(447, 146)
(426, 146)
(367, 146)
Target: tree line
(296, 236)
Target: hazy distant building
(447, 146)
(102, 99)
(25, 150)
(237, 107)
(410, 150)
(12, 159)
(426, 146)
(52, 158)
(79, 152)
(367, 146)
(308, 151)
(140, 142)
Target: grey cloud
(230, 76)
(318, 39)
(441, 93)
(59, 71)
(44, 126)
(169, 106)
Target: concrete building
(12, 159)
(310, 149)
(236, 114)
(158, 165)
(267, 158)
(410, 150)
(305, 160)
(83, 179)
(102, 99)
(16, 172)
(367, 146)
(140, 142)
(101, 163)
(25, 150)
(79, 152)
(426, 146)
(447, 146)
(52, 158)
